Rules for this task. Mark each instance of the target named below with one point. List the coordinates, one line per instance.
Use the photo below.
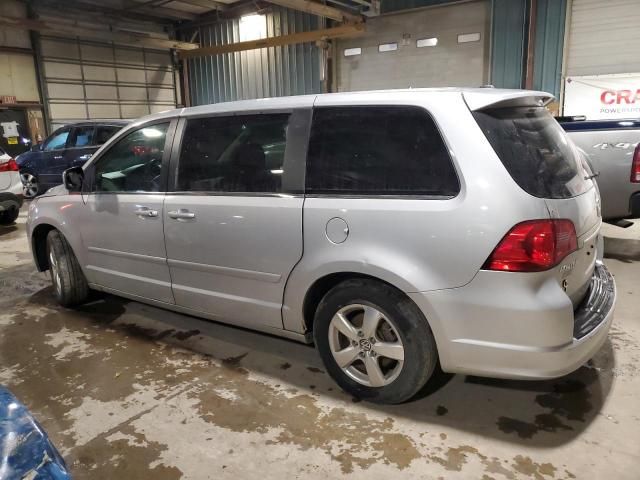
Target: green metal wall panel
(508, 19)
(547, 68)
(395, 5)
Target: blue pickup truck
(613, 150)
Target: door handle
(57, 157)
(145, 212)
(181, 214)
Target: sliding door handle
(181, 214)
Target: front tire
(69, 283)
(374, 341)
(9, 217)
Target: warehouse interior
(71, 61)
(127, 390)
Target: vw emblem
(365, 345)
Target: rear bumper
(495, 329)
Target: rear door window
(378, 150)
(104, 133)
(81, 137)
(535, 150)
(242, 153)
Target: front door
(122, 229)
(80, 147)
(52, 161)
(233, 228)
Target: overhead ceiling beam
(128, 38)
(72, 18)
(89, 7)
(319, 9)
(157, 12)
(341, 31)
(210, 4)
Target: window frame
(392, 196)
(294, 157)
(89, 171)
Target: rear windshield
(535, 151)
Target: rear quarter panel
(417, 244)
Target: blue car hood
(25, 448)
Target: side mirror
(73, 179)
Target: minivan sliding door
(233, 225)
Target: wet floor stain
(185, 335)
(234, 362)
(530, 468)
(544, 422)
(570, 399)
(441, 410)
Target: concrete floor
(129, 391)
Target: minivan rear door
(544, 162)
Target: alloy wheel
(55, 272)
(366, 345)
(29, 185)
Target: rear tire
(9, 217)
(69, 283)
(389, 365)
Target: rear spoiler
(501, 98)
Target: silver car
(394, 229)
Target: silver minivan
(397, 230)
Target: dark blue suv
(69, 146)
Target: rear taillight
(10, 166)
(534, 246)
(635, 165)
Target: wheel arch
(39, 245)
(321, 286)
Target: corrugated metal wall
(547, 68)
(507, 42)
(267, 72)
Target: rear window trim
(317, 193)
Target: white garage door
(433, 47)
(604, 37)
(89, 80)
